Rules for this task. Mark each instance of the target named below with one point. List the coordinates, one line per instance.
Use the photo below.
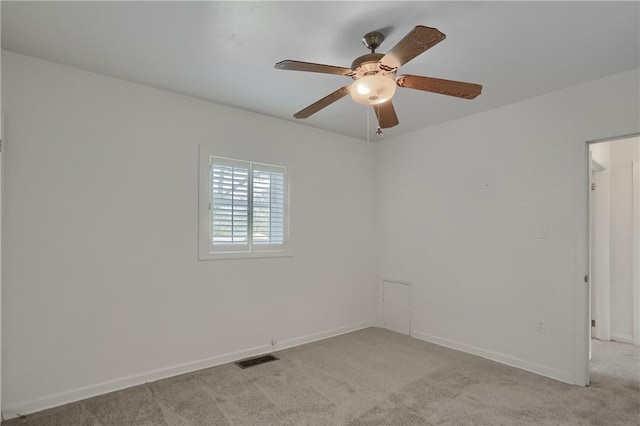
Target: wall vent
(250, 362)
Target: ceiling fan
(374, 75)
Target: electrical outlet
(540, 326)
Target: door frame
(583, 320)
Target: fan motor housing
(368, 64)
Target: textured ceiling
(225, 51)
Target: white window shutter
(247, 208)
(229, 210)
(268, 205)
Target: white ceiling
(225, 51)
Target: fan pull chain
(368, 125)
(379, 131)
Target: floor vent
(250, 362)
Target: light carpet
(370, 377)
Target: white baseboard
(542, 370)
(290, 343)
(622, 338)
(11, 410)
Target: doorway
(614, 236)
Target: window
(243, 209)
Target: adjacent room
(395, 200)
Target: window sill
(246, 255)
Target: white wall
(600, 153)
(102, 286)
(622, 155)
(462, 208)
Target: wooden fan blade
(308, 66)
(418, 40)
(386, 114)
(458, 89)
(324, 102)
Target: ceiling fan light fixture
(374, 75)
(373, 89)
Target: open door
(591, 253)
(636, 251)
(599, 244)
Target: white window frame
(206, 251)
